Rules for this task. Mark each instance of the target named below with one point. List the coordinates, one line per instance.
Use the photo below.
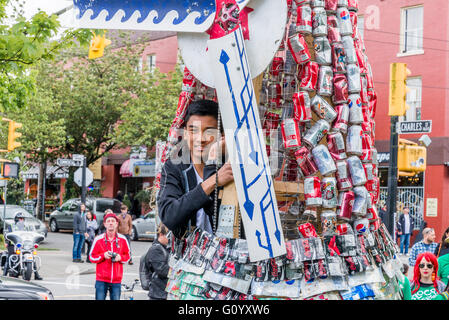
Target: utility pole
(392, 176)
(83, 182)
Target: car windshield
(104, 204)
(12, 211)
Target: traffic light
(411, 157)
(10, 170)
(13, 135)
(398, 89)
(97, 45)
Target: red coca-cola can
(344, 228)
(277, 66)
(307, 230)
(345, 204)
(367, 145)
(271, 122)
(340, 89)
(338, 58)
(342, 175)
(188, 81)
(369, 78)
(308, 76)
(333, 32)
(374, 225)
(301, 2)
(290, 134)
(301, 106)
(353, 5)
(372, 214)
(341, 121)
(372, 102)
(336, 145)
(361, 61)
(305, 162)
(354, 21)
(331, 6)
(312, 191)
(304, 19)
(298, 48)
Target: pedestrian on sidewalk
(428, 244)
(91, 227)
(426, 284)
(443, 257)
(154, 266)
(404, 283)
(125, 226)
(79, 233)
(110, 251)
(405, 228)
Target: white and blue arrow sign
(246, 146)
(163, 15)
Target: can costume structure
(301, 143)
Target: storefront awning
(53, 172)
(125, 170)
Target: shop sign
(142, 169)
(432, 207)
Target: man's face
(406, 210)
(110, 224)
(83, 207)
(200, 132)
(430, 236)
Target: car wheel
(53, 225)
(134, 235)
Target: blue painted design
(184, 8)
(246, 119)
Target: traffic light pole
(392, 176)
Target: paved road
(76, 281)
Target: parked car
(10, 213)
(146, 226)
(62, 218)
(15, 289)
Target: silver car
(146, 226)
(10, 213)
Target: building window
(412, 30)
(150, 63)
(414, 99)
(361, 26)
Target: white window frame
(411, 114)
(402, 48)
(151, 63)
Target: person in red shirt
(110, 251)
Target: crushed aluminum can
(353, 5)
(361, 201)
(361, 226)
(290, 66)
(328, 223)
(305, 162)
(341, 122)
(312, 191)
(301, 2)
(304, 19)
(323, 109)
(310, 213)
(356, 170)
(331, 6)
(342, 3)
(354, 22)
(374, 225)
(355, 109)
(369, 172)
(288, 87)
(271, 122)
(314, 135)
(287, 110)
(343, 177)
(307, 230)
(308, 76)
(291, 134)
(339, 58)
(336, 145)
(298, 48)
(354, 140)
(323, 51)
(367, 151)
(344, 21)
(372, 102)
(345, 204)
(319, 22)
(301, 106)
(361, 61)
(372, 214)
(344, 228)
(323, 160)
(318, 3)
(325, 81)
(348, 44)
(340, 89)
(354, 83)
(277, 66)
(329, 192)
(333, 31)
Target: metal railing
(412, 197)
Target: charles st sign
(410, 127)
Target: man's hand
(224, 177)
(107, 255)
(117, 258)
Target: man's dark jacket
(156, 260)
(180, 196)
(401, 223)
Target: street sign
(78, 176)
(78, 157)
(409, 127)
(62, 162)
